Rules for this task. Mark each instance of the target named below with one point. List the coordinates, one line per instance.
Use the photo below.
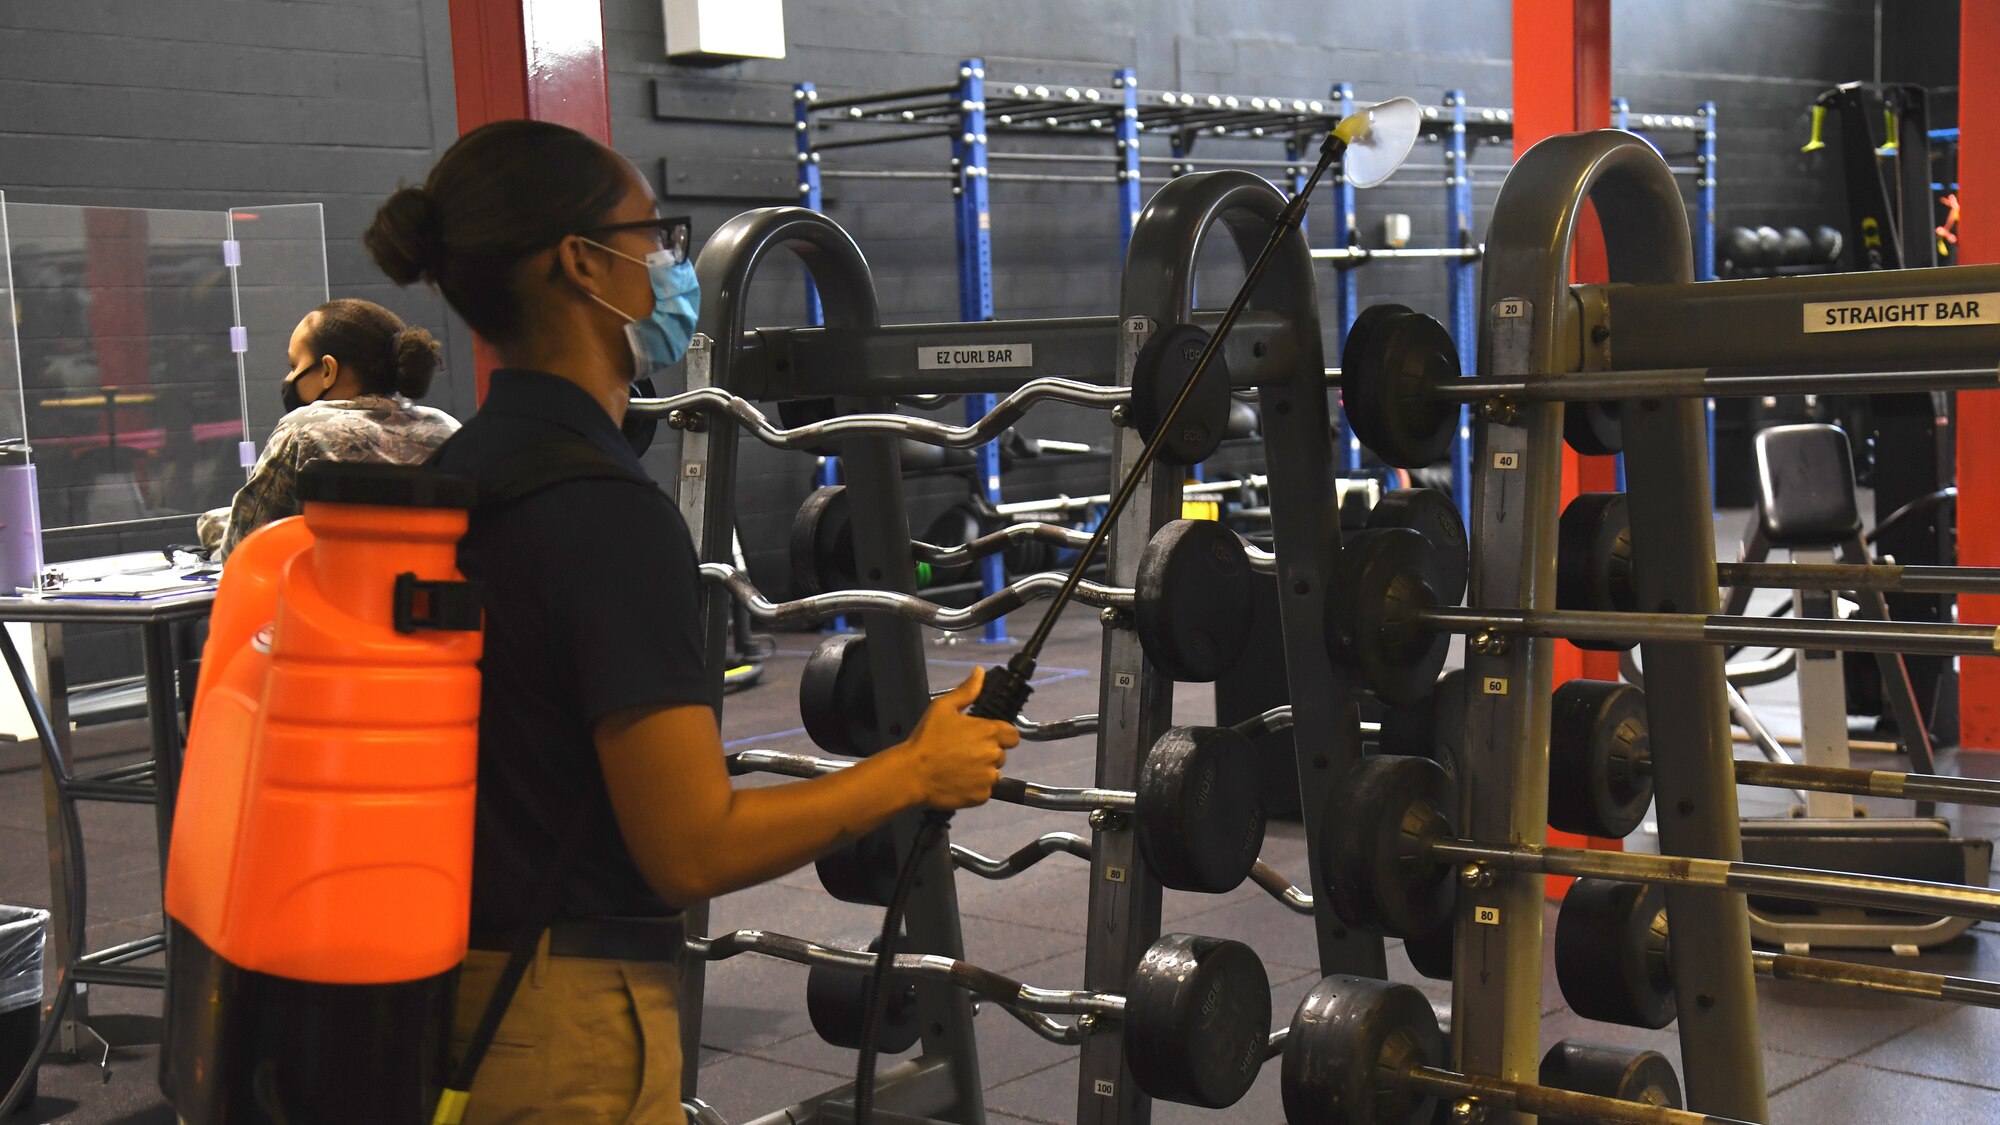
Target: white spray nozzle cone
(1379, 139)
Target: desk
(154, 782)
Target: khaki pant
(585, 1042)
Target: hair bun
(416, 354)
(405, 239)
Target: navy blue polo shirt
(593, 605)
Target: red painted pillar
(1978, 412)
(1562, 84)
(116, 269)
(538, 59)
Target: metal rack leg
(66, 924)
(1136, 703)
(1517, 486)
(156, 640)
(1673, 528)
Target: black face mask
(289, 391)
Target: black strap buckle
(441, 606)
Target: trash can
(23, 930)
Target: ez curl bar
(1196, 811)
(1196, 1010)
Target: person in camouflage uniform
(355, 366)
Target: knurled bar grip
(1917, 638)
(1748, 878)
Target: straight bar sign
(1943, 311)
(965, 356)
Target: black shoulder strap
(545, 464)
(553, 460)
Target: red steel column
(1978, 412)
(1562, 84)
(538, 59)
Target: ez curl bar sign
(932, 357)
(1943, 311)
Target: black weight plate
(1201, 825)
(1645, 1077)
(1193, 600)
(1611, 953)
(1348, 1040)
(1431, 954)
(1392, 362)
(1161, 370)
(1382, 579)
(1375, 836)
(1593, 428)
(836, 1002)
(1433, 515)
(1197, 1020)
(862, 872)
(954, 527)
(1594, 560)
(1598, 785)
(823, 543)
(793, 413)
(1432, 727)
(837, 697)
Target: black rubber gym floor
(1831, 1057)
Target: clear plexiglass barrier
(131, 335)
(280, 277)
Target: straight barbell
(1395, 864)
(1613, 963)
(1401, 388)
(1385, 617)
(1594, 565)
(1361, 1051)
(1601, 766)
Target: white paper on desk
(149, 584)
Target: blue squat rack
(971, 108)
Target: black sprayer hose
(1007, 688)
(1001, 697)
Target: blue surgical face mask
(660, 340)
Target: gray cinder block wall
(210, 103)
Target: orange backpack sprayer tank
(319, 880)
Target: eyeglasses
(672, 233)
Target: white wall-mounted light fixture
(721, 31)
